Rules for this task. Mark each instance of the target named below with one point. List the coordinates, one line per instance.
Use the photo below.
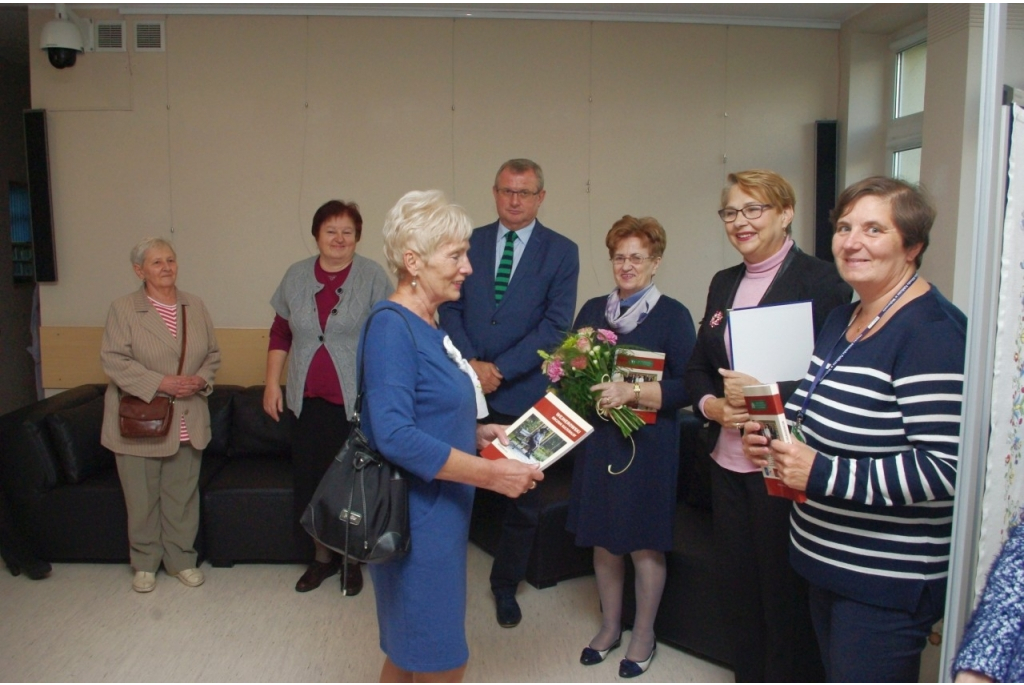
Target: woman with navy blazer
(765, 601)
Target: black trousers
(317, 437)
(518, 530)
(767, 612)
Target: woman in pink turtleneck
(764, 601)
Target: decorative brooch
(716, 319)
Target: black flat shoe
(318, 572)
(591, 656)
(632, 669)
(352, 580)
(507, 609)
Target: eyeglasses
(728, 215)
(634, 259)
(508, 193)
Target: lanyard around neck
(827, 366)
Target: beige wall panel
(97, 81)
(237, 117)
(658, 135)
(949, 140)
(380, 119)
(780, 82)
(521, 90)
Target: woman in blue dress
(624, 503)
(421, 403)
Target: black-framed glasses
(509, 193)
(728, 215)
(634, 259)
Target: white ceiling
(14, 39)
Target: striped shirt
(169, 313)
(886, 425)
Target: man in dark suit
(520, 298)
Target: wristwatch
(636, 391)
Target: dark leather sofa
(66, 499)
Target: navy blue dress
(634, 510)
(417, 406)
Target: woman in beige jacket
(140, 353)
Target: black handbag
(361, 507)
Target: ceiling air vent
(110, 36)
(149, 36)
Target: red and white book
(640, 366)
(543, 435)
(764, 405)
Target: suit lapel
(152, 322)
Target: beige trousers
(162, 497)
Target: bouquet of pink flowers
(584, 359)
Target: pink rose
(604, 335)
(583, 344)
(579, 363)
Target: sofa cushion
(253, 432)
(75, 435)
(219, 403)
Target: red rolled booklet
(764, 405)
(543, 435)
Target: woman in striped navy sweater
(879, 411)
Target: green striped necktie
(504, 267)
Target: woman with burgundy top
(765, 601)
(321, 305)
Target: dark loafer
(508, 611)
(352, 580)
(591, 656)
(318, 572)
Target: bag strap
(358, 407)
(184, 337)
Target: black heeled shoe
(631, 669)
(591, 656)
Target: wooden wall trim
(71, 355)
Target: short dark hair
(336, 208)
(911, 209)
(647, 228)
(521, 166)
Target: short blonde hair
(422, 221)
(138, 254)
(764, 185)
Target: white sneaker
(192, 577)
(144, 581)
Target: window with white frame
(903, 141)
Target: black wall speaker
(826, 184)
(37, 156)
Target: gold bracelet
(636, 391)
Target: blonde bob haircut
(422, 221)
(766, 186)
(138, 254)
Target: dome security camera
(65, 37)
(62, 41)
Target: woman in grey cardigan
(320, 308)
(142, 344)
